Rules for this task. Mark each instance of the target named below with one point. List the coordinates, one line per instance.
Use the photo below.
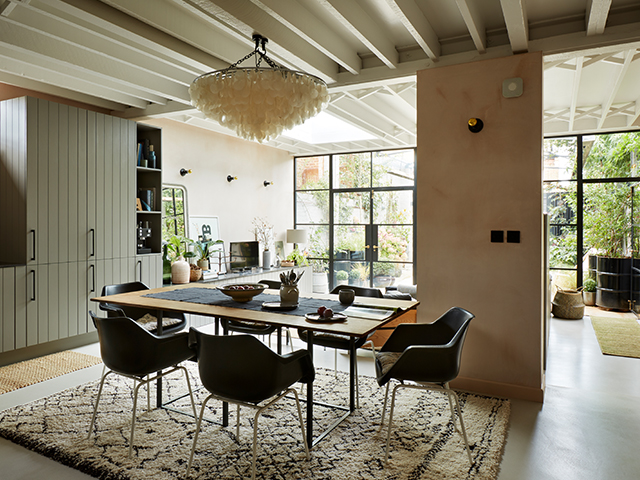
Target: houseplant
(589, 291)
(203, 250)
(342, 277)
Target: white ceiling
(137, 58)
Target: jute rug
(29, 372)
(617, 336)
(424, 444)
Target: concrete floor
(586, 429)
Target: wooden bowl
(242, 292)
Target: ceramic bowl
(242, 292)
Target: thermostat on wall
(512, 87)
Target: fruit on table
(325, 312)
(241, 287)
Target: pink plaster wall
(470, 184)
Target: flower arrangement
(263, 232)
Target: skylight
(325, 128)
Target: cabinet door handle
(33, 285)
(93, 278)
(33, 254)
(140, 270)
(93, 243)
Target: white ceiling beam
(42, 73)
(613, 91)
(307, 26)
(356, 19)
(409, 13)
(74, 95)
(128, 26)
(248, 19)
(592, 112)
(515, 17)
(574, 91)
(634, 120)
(89, 64)
(469, 9)
(378, 107)
(102, 43)
(560, 114)
(406, 94)
(596, 17)
(374, 128)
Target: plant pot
(589, 298)
(320, 282)
(289, 295)
(203, 263)
(614, 283)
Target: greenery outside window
(359, 211)
(174, 208)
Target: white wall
(211, 157)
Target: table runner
(210, 296)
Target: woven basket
(568, 304)
(196, 274)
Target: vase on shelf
(180, 271)
(266, 259)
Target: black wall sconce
(267, 183)
(475, 125)
(184, 171)
(231, 178)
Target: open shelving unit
(149, 188)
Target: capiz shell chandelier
(259, 102)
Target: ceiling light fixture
(259, 102)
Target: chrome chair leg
(384, 405)
(393, 401)
(453, 394)
(95, 408)
(195, 437)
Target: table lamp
(296, 236)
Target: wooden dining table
(352, 326)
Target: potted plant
(354, 277)
(203, 251)
(589, 292)
(342, 277)
(297, 258)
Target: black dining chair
(129, 350)
(255, 328)
(341, 342)
(427, 355)
(241, 370)
(171, 321)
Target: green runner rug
(617, 336)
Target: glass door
(359, 210)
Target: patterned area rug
(424, 444)
(29, 372)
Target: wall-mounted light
(475, 125)
(184, 171)
(231, 178)
(267, 183)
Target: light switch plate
(512, 87)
